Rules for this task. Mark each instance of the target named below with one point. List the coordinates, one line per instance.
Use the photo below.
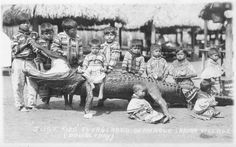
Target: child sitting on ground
(95, 65)
(133, 60)
(156, 65)
(182, 71)
(139, 109)
(213, 70)
(204, 107)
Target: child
(45, 41)
(213, 70)
(156, 65)
(139, 109)
(95, 66)
(182, 72)
(133, 60)
(204, 107)
(23, 55)
(69, 45)
(111, 48)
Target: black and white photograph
(117, 72)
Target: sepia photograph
(117, 72)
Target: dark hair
(46, 27)
(136, 42)
(184, 51)
(68, 24)
(155, 46)
(205, 85)
(138, 87)
(213, 51)
(95, 42)
(109, 30)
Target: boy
(139, 109)
(23, 54)
(95, 66)
(156, 65)
(204, 107)
(69, 45)
(111, 48)
(42, 60)
(45, 41)
(182, 72)
(133, 60)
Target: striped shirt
(111, 52)
(157, 67)
(70, 48)
(18, 40)
(139, 66)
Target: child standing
(139, 109)
(156, 65)
(182, 71)
(23, 55)
(95, 66)
(111, 48)
(213, 70)
(45, 41)
(133, 60)
(69, 45)
(204, 107)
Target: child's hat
(109, 30)
(136, 42)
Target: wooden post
(228, 49)
(153, 34)
(120, 36)
(205, 45)
(193, 41)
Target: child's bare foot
(88, 115)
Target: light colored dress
(93, 65)
(205, 104)
(141, 110)
(213, 71)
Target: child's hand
(80, 70)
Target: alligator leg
(156, 95)
(101, 102)
(67, 106)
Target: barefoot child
(23, 55)
(139, 109)
(213, 70)
(133, 60)
(95, 66)
(204, 107)
(156, 65)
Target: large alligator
(117, 85)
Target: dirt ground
(110, 124)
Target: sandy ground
(110, 124)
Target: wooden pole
(228, 49)
(205, 45)
(153, 34)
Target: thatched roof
(14, 14)
(132, 15)
(169, 15)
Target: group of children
(102, 60)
